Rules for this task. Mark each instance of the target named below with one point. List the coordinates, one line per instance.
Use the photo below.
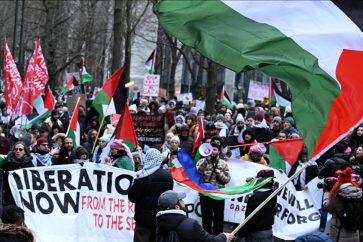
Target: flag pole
(69, 126)
(99, 130)
(267, 200)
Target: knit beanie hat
(80, 150)
(41, 140)
(265, 173)
(290, 120)
(258, 149)
(175, 138)
(259, 116)
(118, 145)
(219, 117)
(240, 118)
(277, 119)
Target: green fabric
(239, 43)
(124, 162)
(276, 161)
(2, 160)
(100, 100)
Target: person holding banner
(148, 185)
(174, 225)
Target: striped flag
(70, 84)
(74, 129)
(284, 153)
(150, 62)
(313, 46)
(85, 76)
(185, 173)
(225, 99)
(276, 96)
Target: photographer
(331, 165)
(344, 202)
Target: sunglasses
(45, 144)
(18, 149)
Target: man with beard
(186, 142)
(172, 222)
(53, 119)
(43, 156)
(215, 171)
(65, 152)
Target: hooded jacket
(188, 230)
(15, 233)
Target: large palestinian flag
(313, 46)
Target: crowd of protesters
(242, 131)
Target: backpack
(351, 216)
(172, 236)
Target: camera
(327, 184)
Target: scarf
(45, 160)
(151, 163)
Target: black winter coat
(264, 218)
(188, 230)
(145, 193)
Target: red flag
(35, 79)
(49, 99)
(125, 129)
(200, 136)
(115, 118)
(12, 80)
(288, 149)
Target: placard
(257, 90)
(151, 85)
(149, 128)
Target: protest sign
(75, 203)
(186, 98)
(296, 211)
(257, 90)
(149, 128)
(151, 85)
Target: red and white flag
(35, 79)
(12, 80)
(200, 136)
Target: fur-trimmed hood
(22, 233)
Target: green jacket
(124, 162)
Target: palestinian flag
(74, 129)
(225, 99)
(70, 84)
(113, 96)
(313, 46)
(284, 153)
(85, 76)
(125, 130)
(150, 62)
(185, 173)
(276, 95)
(39, 114)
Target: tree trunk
(128, 38)
(117, 36)
(108, 41)
(197, 84)
(211, 86)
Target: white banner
(297, 211)
(257, 90)
(151, 85)
(89, 203)
(75, 203)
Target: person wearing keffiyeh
(150, 182)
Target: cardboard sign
(257, 90)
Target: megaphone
(19, 134)
(205, 149)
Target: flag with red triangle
(200, 136)
(125, 130)
(150, 62)
(225, 99)
(69, 85)
(49, 99)
(113, 96)
(284, 153)
(74, 128)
